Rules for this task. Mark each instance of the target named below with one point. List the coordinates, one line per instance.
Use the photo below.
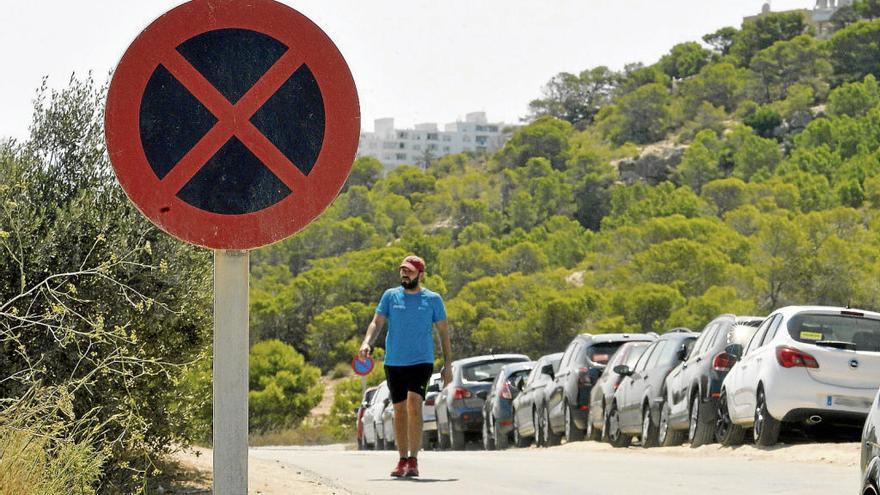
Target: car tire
(518, 440)
(426, 440)
(593, 433)
(550, 438)
(360, 444)
(701, 424)
(537, 422)
(442, 439)
(380, 443)
(666, 436)
(488, 438)
(766, 428)
(572, 432)
(649, 429)
(616, 437)
(456, 438)
(726, 432)
(500, 439)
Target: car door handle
(698, 359)
(684, 366)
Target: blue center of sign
(234, 180)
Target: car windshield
(817, 328)
(484, 371)
(601, 353)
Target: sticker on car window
(811, 335)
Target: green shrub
(283, 388)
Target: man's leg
(414, 411)
(400, 427)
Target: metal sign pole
(230, 371)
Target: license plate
(845, 401)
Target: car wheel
(537, 421)
(649, 430)
(519, 440)
(726, 432)
(501, 441)
(593, 433)
(442, 439)
(550, 438)
(456, 438)
(380, 443)
(488, 438)
(766, 431)
(666, 436)
(426, 440)
(572, 432)
(360, 444)
(616, 437)
(700, 425)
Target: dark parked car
(459, 406)
(870, 460)
(636, 405)
(365, 403)
(568, 397)
(525, 405)
(694, 386)
(498, 408)
(603, 389)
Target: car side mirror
(519, 383)
(482, 394)
(735, 350)
(386, 401)
(547, 369)
(623, 370)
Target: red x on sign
(232, 124)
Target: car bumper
(430, 425)
(792, 393)
(468, 420)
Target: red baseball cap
(414, 263)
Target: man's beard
(409, 284)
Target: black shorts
(404, 379)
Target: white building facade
(427, 142)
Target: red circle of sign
(355, 369)
(312, 193)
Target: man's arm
(443, 330)
(375, 325)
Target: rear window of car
(518, 373)
(742, 333)
(484, 371)
(602, 352)
(814, 328)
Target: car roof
(617, 337)
(489, 357)
(520, 365)
(792, 310)
(678, 336)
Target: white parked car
(373, 415)
(429, 417)
(804, 364)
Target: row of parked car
(741, 375)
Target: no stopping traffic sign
(232, 124)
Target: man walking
(411, 311)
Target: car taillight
(461, 393)
(723, 361)
(504, 393)
(584, 376)
(429, 402)
(789, 357)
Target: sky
(414, 60)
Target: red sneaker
(401, 469)
(412, 467)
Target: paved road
(560, 471)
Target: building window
(401, 156)
(446, 148)
(401, 145)
(432, 136)
(482, 139)
(417, 147)
(466, 139)
(447, 138)
(402, 135)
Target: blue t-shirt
(410, 320)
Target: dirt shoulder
(264, 477)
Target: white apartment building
(426, 142)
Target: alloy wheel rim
(722, 424)
(759, 415)
(567, 423)
(646, 426)
(695, 417)
(613, 425)
(664, 425)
